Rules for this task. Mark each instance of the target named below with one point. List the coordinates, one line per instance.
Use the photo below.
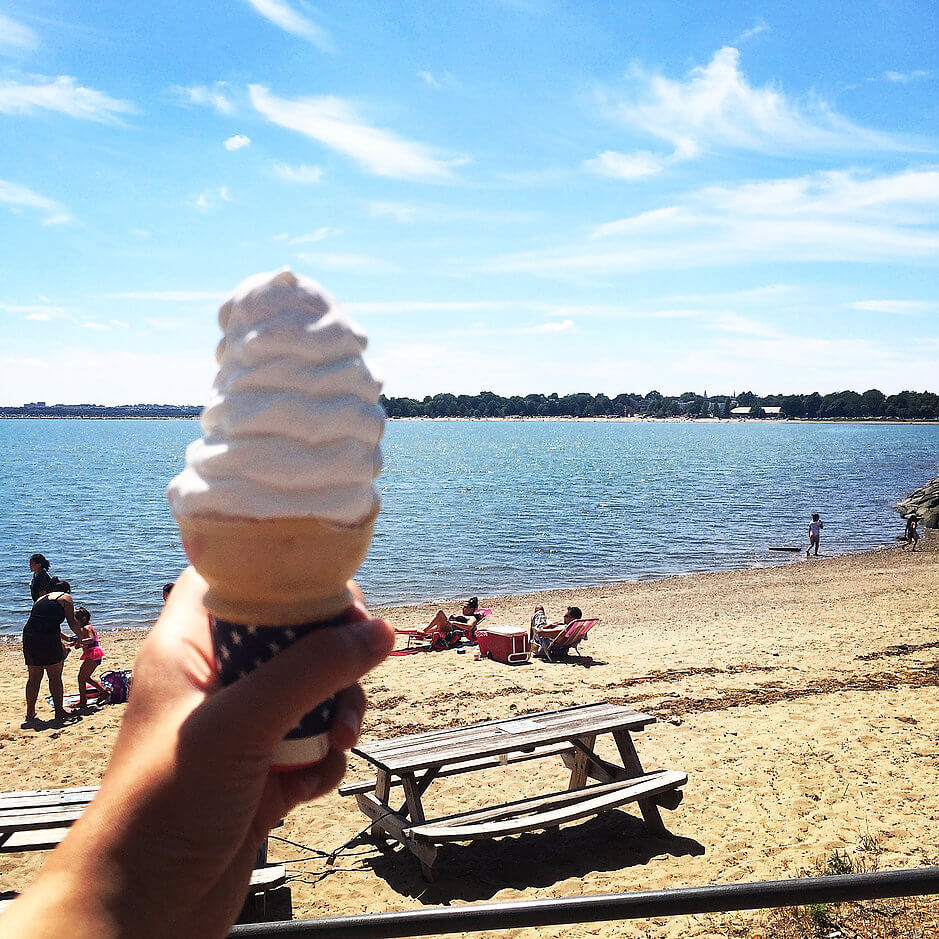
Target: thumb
(263, 705)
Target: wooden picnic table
(415, 761)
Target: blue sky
(508, 195)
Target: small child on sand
(91, 659)
(911, 534)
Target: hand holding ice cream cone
(277, 503)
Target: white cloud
(34, 311)
(237, 142)
(64, 96)
(626, 165)
(171, 296)
(831, 216)
(282, 14)
(216, 96)
(716, 108)
(897, 307)
(334, 123)
(16, 35)
(93, 325)
(298, 174)
(428, 79)
(541, 329)
(354, 263)
(210, 198)
(318, 234)
(760, 26)
(904, 78)
(13, 194)
(408, 214)
(404, 307)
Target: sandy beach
(800, 700)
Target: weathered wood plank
(499, 741)
(483, 729)
(396, 826)
(547, 811)
(582, 760)
(627, 751)
(469, 766)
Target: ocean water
(472, 506)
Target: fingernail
(351, 719)
(374, 634)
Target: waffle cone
(275, 571)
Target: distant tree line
(873, 404)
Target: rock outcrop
(924, 503)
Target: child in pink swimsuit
(91, 659)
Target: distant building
(772, 412)
(740, 412)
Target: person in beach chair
(543, 634)
(442, 627)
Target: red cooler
(508, 644)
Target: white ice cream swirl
(293, 424)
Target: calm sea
(472, 507)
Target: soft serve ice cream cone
(277, 502)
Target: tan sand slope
(801, 701)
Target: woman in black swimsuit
(43, 647)
(42, 581)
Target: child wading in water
(91, 659)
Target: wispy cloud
(303, 173)
(93, 325)
(897, 307)
(237, 142)
(334, 123)
(41, 312)
(318, 234)
(831, 216)
(760, 26)
(217, 96)
(626, 165)
(409, 213)
(282, 14)
(63, 95)
(541, 329)
(715, 108)
(170, 296)
(16, 35)
(353, 263)
(22, 197)
(904, 78)
(439, 81)
(211, 198)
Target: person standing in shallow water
(42, 581)
(815, 533)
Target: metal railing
(721, 898)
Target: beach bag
(118, 684)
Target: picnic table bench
(414, 762)
(36, 820)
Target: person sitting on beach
(41, 583)
(91, 659)
(44, 646)
(911, 534)
(462, 624)
(543, 634)
(815, 533)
